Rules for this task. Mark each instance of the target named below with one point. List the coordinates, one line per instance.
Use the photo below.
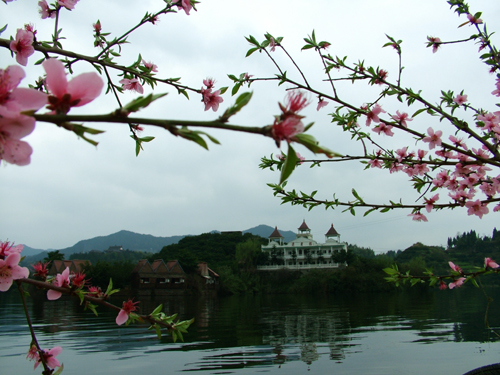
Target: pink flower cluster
(13, 124)
(127, 307)
(10, 270)
(289, 123)
(209, 98)
(22, 46)
(183, 4)
(48, 356)
(132, 84)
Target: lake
(440, 332)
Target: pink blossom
(458, 142)
(442, 179)
(22, 46)
(460, 99)
(421, 154)
(488, 262)
(434, 139)
(488, 189)
(97, 29)
(40, 269)
(497, 91)
(68, 4)
(490, 120)
(132, 84)
(272, 44)
(429, 203)
(375, 163)
(457, 283)
(473, 20)
(49, 357)
(45, 11)
(247, 77)
(10, 271)
(476, 208)
(127, 308)
(420, 169)
(321, 103)
(401, 153)
(288, 127)
(14, 100)
(418, 217)
(95, 291)
(209, 83)
(396, 167)
(185, 4)
(434, 42)
(402, 118)
(295, 101)
(289, 123)
(381, 76)
(149, 65)
(383, 128)
(81, 90)
(372, 115)
(12, 149)
(454, 267)
(61, 281)
(442, 285)
(211, 99)
(6, 248)
(496, 208)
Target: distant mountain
(135, 241)
(124, 238)
(265, 231)
(29, 251)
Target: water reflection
(254, 332)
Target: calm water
(436, 333)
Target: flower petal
(56, 77)
(121, 318)
(86, 87)
(52, 295)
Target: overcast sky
(73, 191)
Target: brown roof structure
(332, 232)
(276, 233)
(304, 226)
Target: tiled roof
(332, 232)
(276, 233)
(304, 226)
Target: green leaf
(250, 51)
(157, 310)
(142, 102)
(59, 370)
(3, 28)
(312, 144)
(289, 165)
(235, 89)
(110, 286)
(240, 102)
(158, 331)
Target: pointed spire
(332, 232)
(276, 233)
(303, 226)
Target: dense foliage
(217, 249)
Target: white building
(303, 252)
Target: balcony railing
(297, 267)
